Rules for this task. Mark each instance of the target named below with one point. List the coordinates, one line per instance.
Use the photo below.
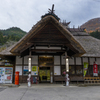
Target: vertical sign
(95, 70)
(85, 68)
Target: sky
(26, 13)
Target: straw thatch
(79, 39)
(7, 52)
(90, 44)
(74, 44)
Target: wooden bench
(77, 79)
(71, 79)
(91, 79)
(59, 79)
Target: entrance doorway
(45, 68)
(44, 74)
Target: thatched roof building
(90, 44)
(46, 48)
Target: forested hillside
(95, 34)
(92, 25)
(11, 34)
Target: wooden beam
(26, 47)
(48, 50)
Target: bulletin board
(34, 70)
(57, 70)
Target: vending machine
(2, 75)
(6, 74)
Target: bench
(91, 79)
(77, 79)
(71, 79)
(59, 79)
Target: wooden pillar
(67, 69)
(30, 61)
(75, 64)
(82, 66)
(22, 69)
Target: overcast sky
(26, 13)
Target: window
(79, 70)
(72, 69)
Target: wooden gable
(48, 31)
(49, 34)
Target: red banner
(95, 70)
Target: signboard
(85, 68)
(25, 70)
(2, 74)
(57, 70)
(34, 70)
(95, 70)
(6, 74)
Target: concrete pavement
(50, 92)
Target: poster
(2, 73)
(8, 74)
(8, 70)
(57, 70)
(85, 68)
(25, 70)
(95, 70)
(34, 70)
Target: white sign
(57, 70)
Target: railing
(91, 79)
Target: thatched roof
(74, 44)
(7, 52)
(78, 38)
(90, 44)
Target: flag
(85, 68)
(95, 70)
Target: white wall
(92, 60)
(56, 60)
(18, 60)
(57, 70)
(26, 59)
(19, 68)
(34, 59)
(98, 61)
(78, 61)
(71, 61)
(85, 60)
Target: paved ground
(50, 92)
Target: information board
(34, 70)
(6, 74)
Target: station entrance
(44, 74)
(45, 69)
